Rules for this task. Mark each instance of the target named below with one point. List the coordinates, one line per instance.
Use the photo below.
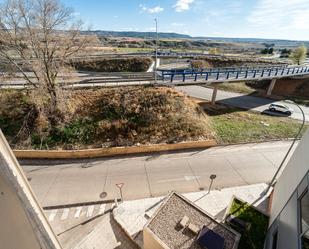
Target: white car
(281, 108)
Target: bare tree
(298, 56)
(37, 38)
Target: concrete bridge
(178, 77)
(217, 76)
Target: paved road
(154, 175)
(178, 78)
(240, 100)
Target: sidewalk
(154, 174)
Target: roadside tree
(37, 38)
(298, 56)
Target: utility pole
(273, 180)
(156, 62)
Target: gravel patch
(166, 226)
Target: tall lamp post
(156, 65)
(273, 180)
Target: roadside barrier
(113, 151)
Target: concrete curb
(80, 204)
(109, 152)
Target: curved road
(241, 100)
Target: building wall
(291, 177)
(293, 181)
(150, 241)
(22, 222)
(15, 229)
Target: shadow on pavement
(237, 104)
(124, 241)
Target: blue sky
(285, 19)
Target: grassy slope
(240, 87)
(135, 115)
(253, 238)
(234, 125)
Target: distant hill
(143, 35)
(162, 35)
(277, 42)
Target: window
(275, 240)
(304, 216)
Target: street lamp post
(212, 178)
(156, 57)
(119, 186)
(273, 180)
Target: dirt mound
(292, 87)
(133, 64)
(234, 62)
(120, 117)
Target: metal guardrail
(229, 74)
(195, 76)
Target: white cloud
(177, 24)
(153, 10)
(283, 15)
(183, 5)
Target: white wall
(22, 222)
(15, 229)
(291, 177)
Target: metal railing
(229, 74)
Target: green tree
(298, 56)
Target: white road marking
(185, 178)
(78, 211)
(171, 180)
(90, 211)
(102, 208)
(65, 214)
(191, 178)
(52, 215)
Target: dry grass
(131, 116)
(110, 117)
(233, 125)
(142, 115)
(133, 64)
(238, 87)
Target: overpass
(176, 77)
(217, 76)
